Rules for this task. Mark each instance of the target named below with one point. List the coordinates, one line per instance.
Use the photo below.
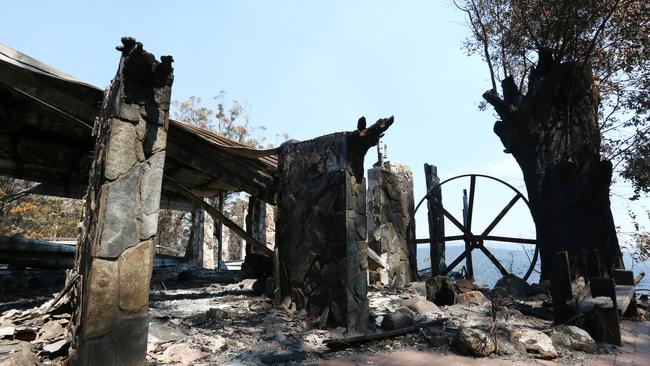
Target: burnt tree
(552, 131)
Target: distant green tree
(231, 121)
(34, 216)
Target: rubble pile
(204, 317)
(37, 336)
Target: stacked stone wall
(390, 225)
(116, 248)
(321, 231)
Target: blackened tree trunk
(552, 131)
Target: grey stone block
(130, 338)
(119, 229)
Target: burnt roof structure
(46, 136)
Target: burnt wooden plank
(624, 277)
(624, 297)
(239, 171)
(220, 217)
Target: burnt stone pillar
(116, 247)
(390, 206)
(321, 224)
(200, 248)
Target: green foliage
(36, 216)
(609, 35)
(231, 122)
(173, 231)
(637, 169)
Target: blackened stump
(553, 133)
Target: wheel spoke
(454, 263)
(451, 218)
(508, 239)
(438, 239)
(470, 205)
(475, 241)
(532, 264)
(501, 214)
(454, 237)
(492, 258)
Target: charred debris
(330, 258)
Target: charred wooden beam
(343, 343)
(199, 202)
(168, 200)
(377, 259)
(436, 220)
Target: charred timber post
(436, 220)
(256, 223)
(321, 225)
(467, 223)
(116, 247)
(561, 291)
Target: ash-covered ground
(203, 317)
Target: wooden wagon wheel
(473, 241)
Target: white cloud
(505, 167)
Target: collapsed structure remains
(120, 150)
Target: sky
(308, 68)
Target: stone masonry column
(390, 206)
(200, 247)
(321, 224)
(116, 247)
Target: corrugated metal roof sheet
(56, 97)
